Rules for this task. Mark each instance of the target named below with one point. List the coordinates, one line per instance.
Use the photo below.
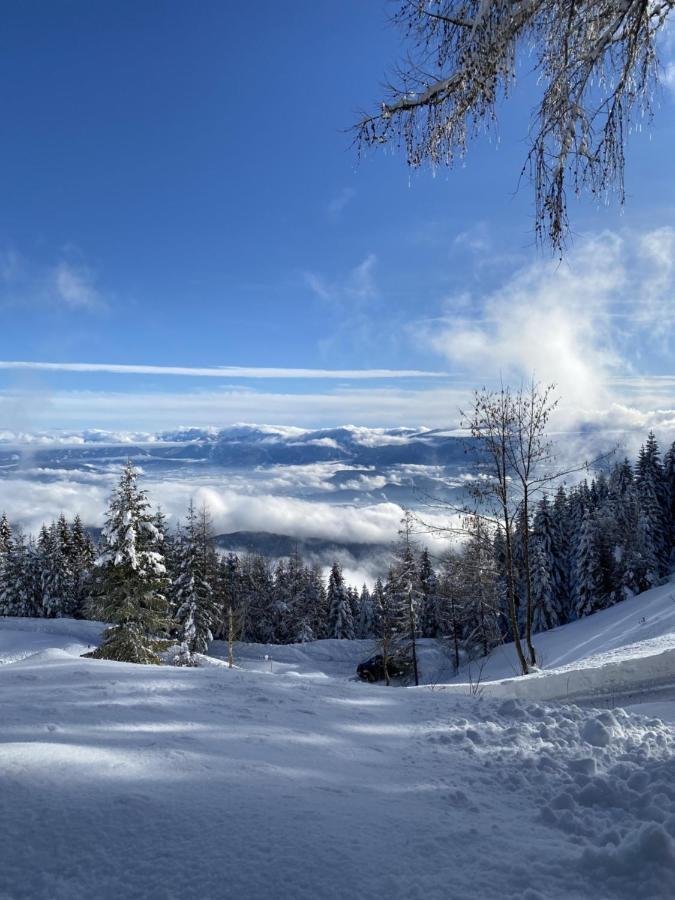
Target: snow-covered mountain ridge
(244, 445)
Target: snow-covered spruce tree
(228, 595)
(257, 599)
(353, 596)
(389, 622)
(428, 585)
(561, 550)
(193, 592)
(637, 564)
(652, 492)
(17, 591)
(5, 534)
(317, 601)
(131, 577)
(340, 621)
(56, 577)
(545, 612)
(479, 574)
(82, 557)
(669, 479)
(5, 545)
(282, 607)
(298, 626)
(227, 590)
(589, 575)
(404, 587)
(547, 573)
(451, 611)
(366, 621)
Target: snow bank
(20, 638)
(632, 669)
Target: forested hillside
(592, 544)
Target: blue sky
(178, 190)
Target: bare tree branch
(597, 68)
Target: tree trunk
(413, 640)
(528, 583)
(512, 598)
(230, 638)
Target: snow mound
(21, 638)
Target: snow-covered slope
(157, 782)
(625, 654)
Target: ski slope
(287, 778)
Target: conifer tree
(545, 612)
(669, 480)
(340, 621)
(548, 575)
(366, 620)
(193, 593)
(451, 612)
(257, 599)
(16, 595)
(652, 490)
(5, 546)
(82, 558)
(57, 581)
(480, 585)
(589, 576)
(428, 586)
(404, 586)
(5, 534)
(389, 619)
(131, 577)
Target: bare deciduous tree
(597, 68)
(491, 424)
(530, 457)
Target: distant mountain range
(240, 446)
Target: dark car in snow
(372, 669)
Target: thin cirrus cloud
(339, 202)
(223, 372)
(358, 284)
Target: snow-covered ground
(286, 778)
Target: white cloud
(669, 76)
(64, 284)
(387, 407)
(74, 286)
(574, 323)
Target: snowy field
(286, 778)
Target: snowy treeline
(602, 541)
(49, 576)
(590, 546)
